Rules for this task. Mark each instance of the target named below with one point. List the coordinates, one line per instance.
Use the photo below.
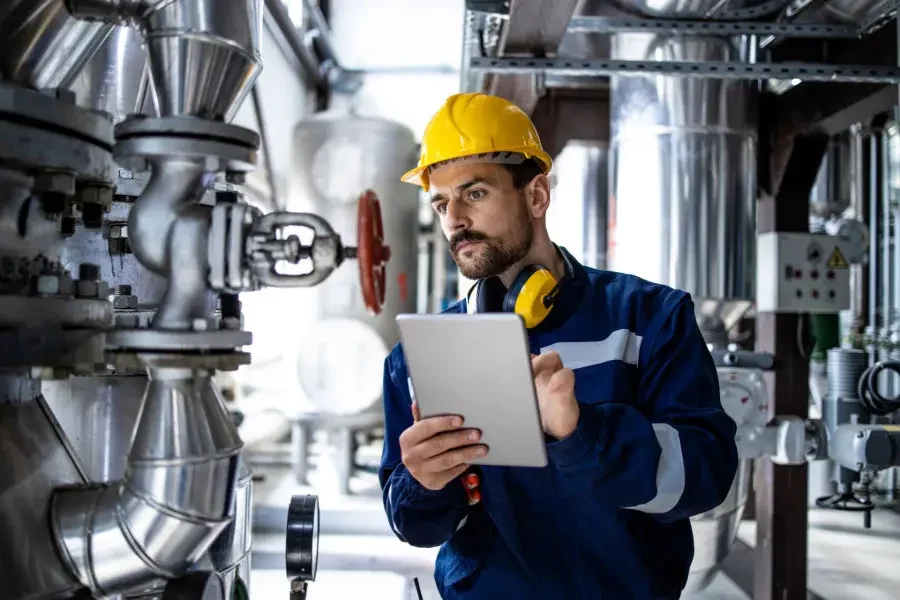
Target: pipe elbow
(172, 184)
(176, 498)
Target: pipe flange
(45, 133)
(51, 353)
(125, 361)
(37, 311)
(177, 341)
(225, 147)
(20, 104)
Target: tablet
(479, 367)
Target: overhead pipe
(43, 45)
(305, 56)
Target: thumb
(415, 412)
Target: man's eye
(476, 194)
(440, 208)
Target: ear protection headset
(531, 296)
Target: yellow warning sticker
(837, 260)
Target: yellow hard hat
(471, 124)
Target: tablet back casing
(477, 366)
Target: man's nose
(457, 216)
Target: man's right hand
(437, 450)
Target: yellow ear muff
(531, 295)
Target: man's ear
(538, 191)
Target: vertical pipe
(887, 382)
(874, 265)
(857, 277)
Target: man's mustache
(467, 235)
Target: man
(636, 436)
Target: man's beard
(492, 257)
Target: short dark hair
(524, 172)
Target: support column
(780, 565)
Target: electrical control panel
(802, 273)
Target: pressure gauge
(302, 540)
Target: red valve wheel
(371, 253)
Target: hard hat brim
(417, 176)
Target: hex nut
(89, 271)
(129, 302)
(118, 232)
(96, 194)
(54, 183)
(86, 289)
(47, 285)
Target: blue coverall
(609, 516)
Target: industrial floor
(360, 557)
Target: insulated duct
(682, 208)
(683, 177)
(203, 54)
(175, 499)
(43, 45)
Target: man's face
(486, 220)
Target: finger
(564, 379)
(450, 474)
(430, 427)
(444, 442)
(454, 458)
(542, 378)
(417, 416)
(547, 361)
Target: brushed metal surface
(683, 176)
(35, 461)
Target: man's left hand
(555, 387)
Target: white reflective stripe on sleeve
(620, 345)
(669, 472)
(390, 503)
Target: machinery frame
(795, 122)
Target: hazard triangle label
(837, 260)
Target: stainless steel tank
(578, 205)
(336, 158)
(683, 176)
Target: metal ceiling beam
(534, 28)
(833, 107)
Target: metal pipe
(891, 134)
(43, 45)
(320, 24)
(887, 290)
(176, 497)
(857, 191)
(671, 139)
(306, 59)
(875, 231)
(203, 55)
(276, 200)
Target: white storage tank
(336, 158)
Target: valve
(371, 253)
(246, 246)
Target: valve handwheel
(371, 253)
